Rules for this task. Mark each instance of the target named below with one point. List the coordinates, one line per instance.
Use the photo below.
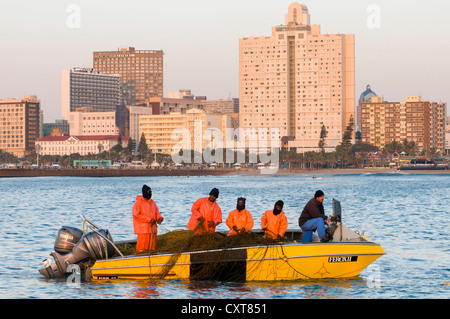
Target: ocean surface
(408, 214)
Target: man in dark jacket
(313, 218)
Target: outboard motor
(67, 238)
(90, 247)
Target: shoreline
(5, 173)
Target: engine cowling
(91, 246)
(66, 239)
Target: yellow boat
(346, 255)
(290, 261)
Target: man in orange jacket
(239, 220)
(145, 217)
(274, 222)
(206, 214)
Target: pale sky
(404, 50)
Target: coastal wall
(110, 172)
(201, 172)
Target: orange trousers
(146, 241)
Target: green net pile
(183, 240)
(179, 241)
(218, 265)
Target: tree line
(346, 154)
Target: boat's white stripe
(250, 247)
(247, 260)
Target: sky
(402, 47)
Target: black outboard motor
(91, 246)
(66, 239)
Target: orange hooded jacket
(242, 219)
(143, 212)
(209, 211)
(275, 224)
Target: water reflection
(406, 214)
(196, 289)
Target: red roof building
(83, 145)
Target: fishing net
(221, 263)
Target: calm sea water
(408, 214)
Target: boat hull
(262, 263)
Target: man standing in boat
(206, 214)
(145, 217)
(239, 220)
(274, 222)
(313, 218)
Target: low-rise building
(222, 106)
(83, 145)
(162, 105)
(422, 122)
(93, 123)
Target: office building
(141, 72)
(414, 120)
(19, 125)
(60, 127)
(87, 88)
(298, 80)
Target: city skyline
(400, 46)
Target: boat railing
(94, 229)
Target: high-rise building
(447, 135)
(298, 80)
(87, 88)
(19, 125)
(365, 97)
(422, 122)
(141, 72)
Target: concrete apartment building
(85, 87)
(297, 80)
(140, 71)
(166, 105)
(93, 123)
(19, 125)
(447, 135)
(83, 145)
(365, 97)
(414, 119)
(135, 113)
(222, 106)
(123, 121)
(158, 129)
